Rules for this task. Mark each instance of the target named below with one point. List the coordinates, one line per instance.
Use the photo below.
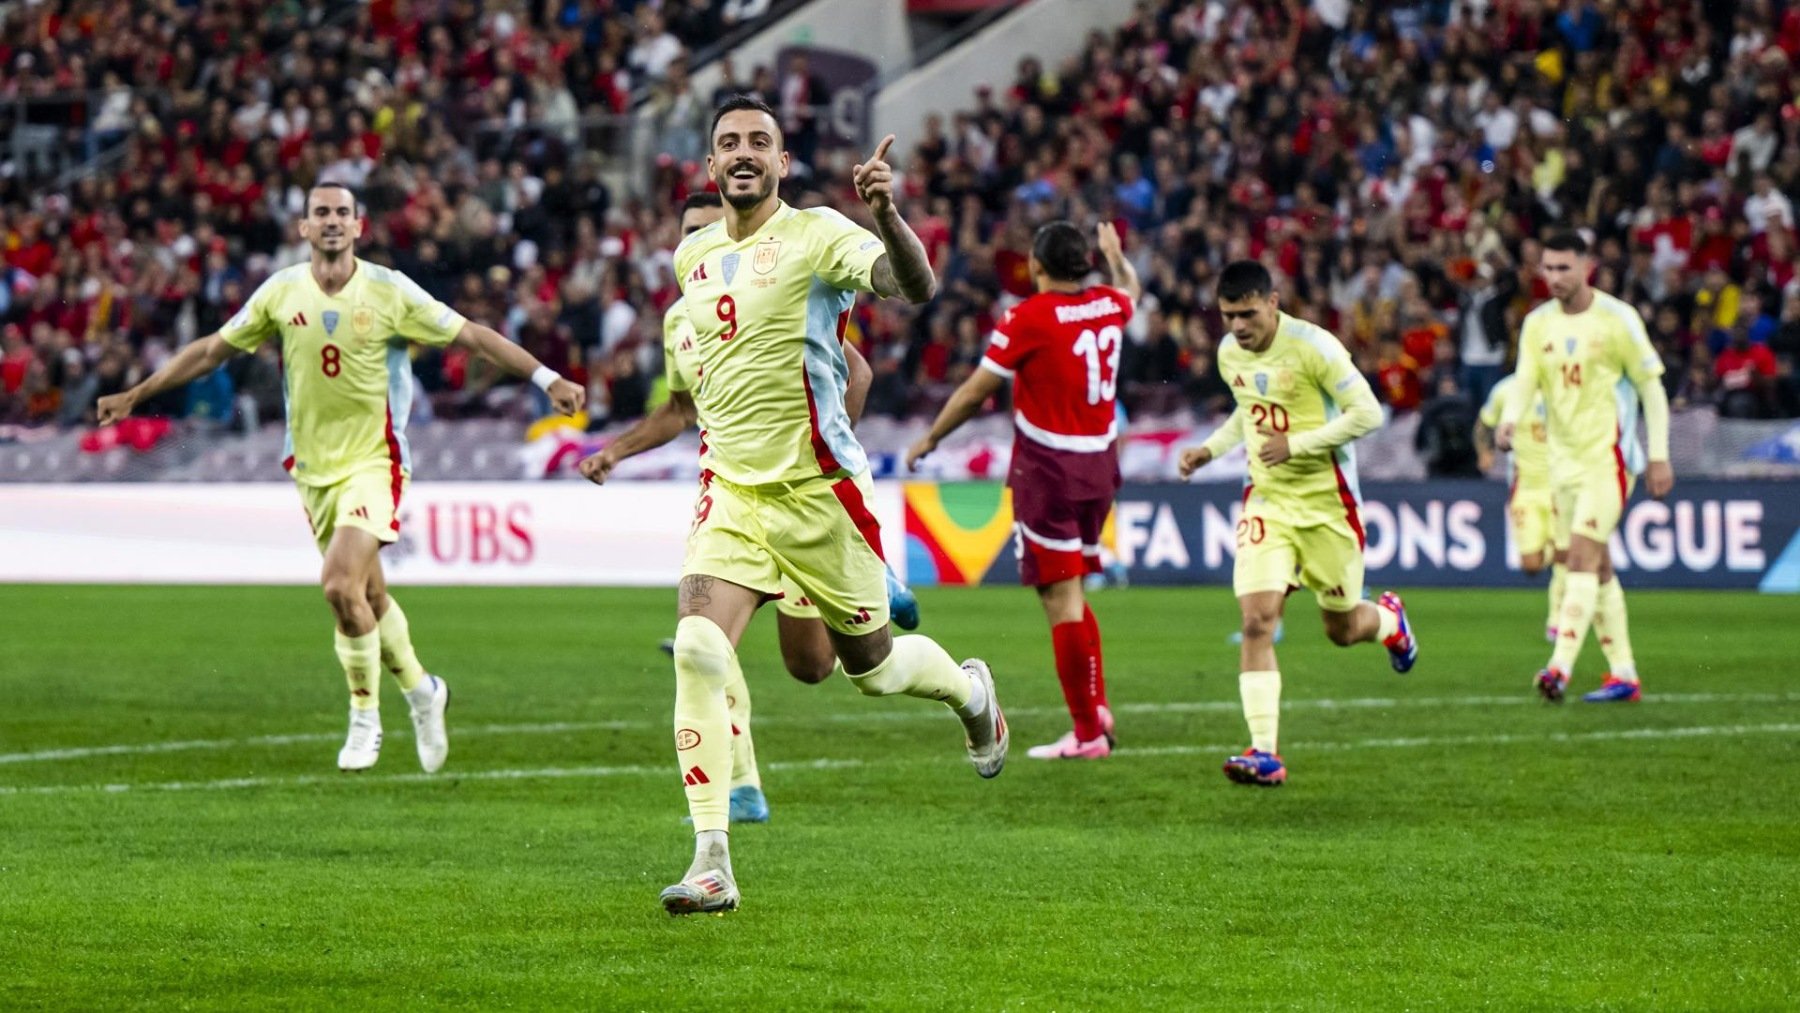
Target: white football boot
(430, 699)
(708, 888)
(987, 733)
(362, 747)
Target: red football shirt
(1061, 350)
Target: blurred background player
(1529, 506)
(1060, 348)
(1587, 354)
(344, 325)
(805, 647)
(786, 483)
(1300, 402)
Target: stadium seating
(1393, 163)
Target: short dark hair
(1567, 242)
(1244, 279)
(738, 103)
(702, 199)
(1062, 250)
(332, 184)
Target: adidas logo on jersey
(298, 321)
(1237, 381)
(695, 776)
(361, 511)
(698, 274)
(861, 616)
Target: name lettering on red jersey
(1087, 311)
(1061, 350)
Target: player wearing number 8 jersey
(1300, 402)
(344, 325)
(1060, 348)
(768, 291)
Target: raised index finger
(881, 149)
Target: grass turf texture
(1481, 849)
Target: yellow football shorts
(1591, 506)
(368, 499)
(794, 603)
(1532, 512)
(820, 534)
(1273, 556)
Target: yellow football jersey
(678, 347)
(1302, 381)
(768, 314)
(1528, 466)
(346, 376)
(1586, 365)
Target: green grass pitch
(176, 834)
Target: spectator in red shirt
(1399, 378)
(1746, 373)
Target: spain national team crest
(767, 252)
(362, 319)
(331, 321)
(728, 266)
(1262, 384)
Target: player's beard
(343, 249)
(765, 185)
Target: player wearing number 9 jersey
(1300, 402)
(344, 325)
(1060, 348)
(785, 492)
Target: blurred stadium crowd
(1392, 162)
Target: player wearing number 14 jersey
(1060, 348)
(1300, 403)
(1589, 356)
(343, 325)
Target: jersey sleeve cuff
(994, 367)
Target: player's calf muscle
(863, 653)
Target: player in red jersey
(1061, 349)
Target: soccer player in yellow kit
(805, 647)
(1589, 356)
(344, 324)
(785, 484)
(1530, 507)
(1300, 403)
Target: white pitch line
(1499, 739)
(825, 763)
(871, 716)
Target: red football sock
(1093, 632)
(1077, 667)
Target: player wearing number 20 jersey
(1300, 403)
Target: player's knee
(702, 650)
(1260, 625)
(1340, 630)
(811, 669)
(343, 593)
